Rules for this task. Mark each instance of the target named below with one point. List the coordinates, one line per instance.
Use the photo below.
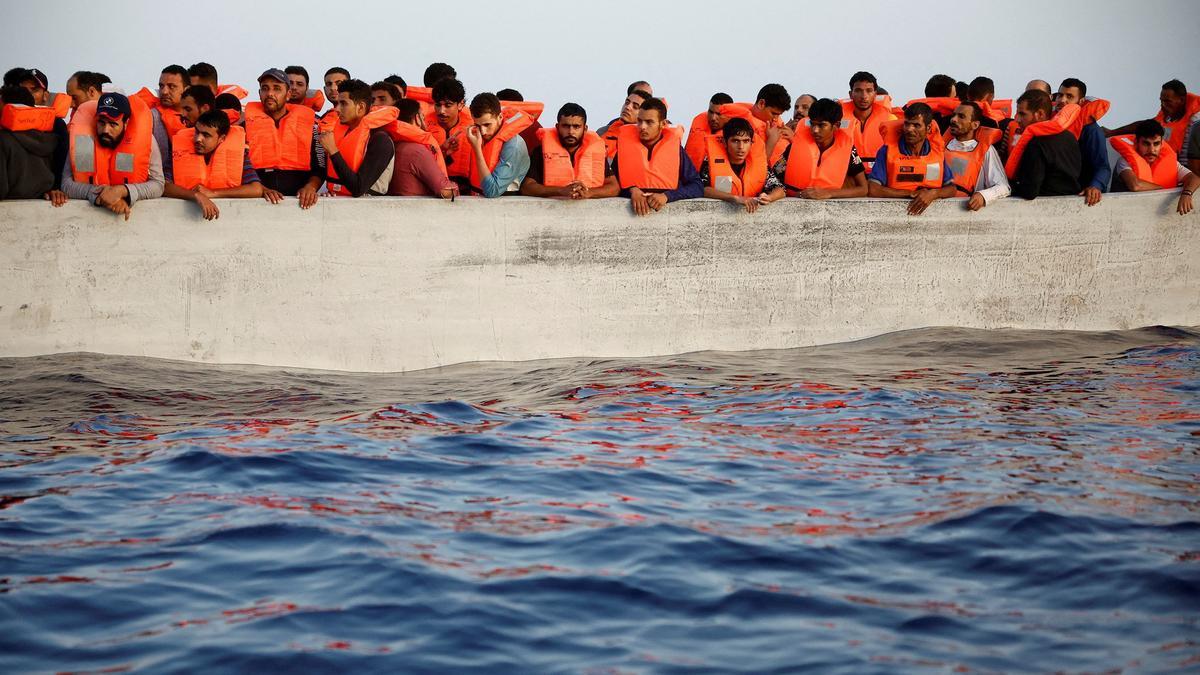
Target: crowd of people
(197, 140)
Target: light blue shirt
(510, 170)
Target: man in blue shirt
(917, 125)
(1096, 173)
(637, 148)
(510, 169)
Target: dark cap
(113, 106)
(274, 74)
(40, 77)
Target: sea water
(940, 500)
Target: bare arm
(1135, 184)
(610, 189)
(254, 189)
(880, 190)
(532, 188)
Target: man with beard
(168, 118)
(911, 162)
(283, 139)
(298, 91)
(571, 162)
(417, 172)
(107, 133)
(972, 159)
(863, 109)
(333, 77)
(27, 147)
(211, 162)
(196, 100)
(800, 112)
(651, 167)
(85, 86)
(629, 115)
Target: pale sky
(589, 52)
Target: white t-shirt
(1180, 173)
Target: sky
(588, 53)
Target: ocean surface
(938, 501)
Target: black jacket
(26, 163)
(1050, 167)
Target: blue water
(933, 501)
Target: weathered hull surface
(404, 284)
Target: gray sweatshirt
(151, 189)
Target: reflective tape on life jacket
(612, 136)
(314, 99)
(232, 89)
(513, 122)
(1175, 131)
(287, 147)
(587, 167)
(870, 139)
(1164, 172)
(405, 132)
(129, 162)
(808, 167)
(1018, 140)
(17, 117)
(639, 168)
(222, 171)
(752, 179)
(1090, 110)
(531, 108)
(913, 172)
(941, 105)
(745, 111)
(966, 165)
(352, 143)
(697, 138)
(458, 164)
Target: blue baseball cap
(113, 106)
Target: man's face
(206, 139)
(822, 132)
(273, 94)
(348, 110)
(297, 89)
(191, 111)
(629, 110)
(1149, 148)
(571, 129)
(488, 124)
(963, 123)
(1172, 105)
(802, 105)
(332, 81)
(649, 125)
(1068, 95)
(765, 112)
(738, 148)
(40, 95)
(170, 89)
(715, 119)
(915, 130)
(863, 95)
(381, 97)
(79, 96)
(1024, 116)
(447, 112)
(109, 131)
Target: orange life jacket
(146, 96)
(1090, 110)
(697, 138)
(314, 99)
(352, 144)
(17, 117)
(941, 105)
(1175, 131)
(966, 165)
(423, 96)
(1017, 141)
(744, 111)
(404, 132)
(531, 108)
(1164, 172)
(232, 89)
(172, 121)
(222, 171)
(808, 167)
(1002, 107)
(462, 159)
(871, 138)
(287, 147)
(611, 136)
(129, 162)
(638, 168)
(587, 167)
(61, 104)
(752, 179)
(513, 122)
(913, 172)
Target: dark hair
(227, 102)
(357, 90)
(86, 79)
(914, 110)
(881, 91)
(410, 110)
(205, 71)
(976, 111)
(634, 87)
(15, 76)
(656, 104)
(1076, 83)
(774, 96)
(338, 70)
(176, 69)
(16, 94)
(825, 110)
(1149, 129)
(981, 88)
(645, 95)
(399, 82)
(202, 94)
(449, 89)
(737, 126)
(215, 119)
(719, 98)
(390, 88)
(436, 72)
(485, 103)
(960, 90)
(863, 76)
(1175, 86)
(297, 70)
(572, 110)
(1035, 100)
(939, 86)
(509, 95)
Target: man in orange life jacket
(205, 172)
(1051, 164)
(1179, 111)
(578, 167)
(495, 177)
(206, 74)
(982, 92)
(168, 119)
(449, 99)
(913, 165)
(650, 155)
(1149, 145)
(385, 93)
(832, 168)
(990, 182)
(735, 172)
(941, 86)
(1096, 174)
(299, 92)
(85, 86)
(629, 115)
(705, 126)
(800, 112)
(196, 100)
(1039, 85)
(368, 172)
(27, 151)
(114, 120)
(416, 172)
(530, 134)
(34, 82)
(436, 72)
(643, 91)
(867, 112)
(283, 142)
(334, 77)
